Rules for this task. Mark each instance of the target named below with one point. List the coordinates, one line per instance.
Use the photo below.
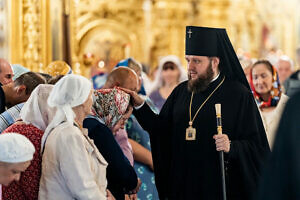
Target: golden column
(30, 36)
(169, 34)
(245, 26)
(214, 13)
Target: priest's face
(200, 72)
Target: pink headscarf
(110, 105)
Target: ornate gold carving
(144, 29)
(4, 36)
(31, 38)
(32, 34)
(168, 35)
(110, 30)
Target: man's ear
(216, 61)
(21, 90)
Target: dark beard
(202, 82)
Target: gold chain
(192, 120)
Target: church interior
(121, 99)
(93, 34)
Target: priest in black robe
(183, 136)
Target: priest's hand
(133, 197)
(222, 142)
(109, 195)
(136, 99)
(134, 191)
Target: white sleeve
(138, 107)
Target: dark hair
(135, 65)
(46, 76)
(30, 80)
(220, 66)
(55, 79)
(265, 62)
(146, 68)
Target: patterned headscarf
(110, 105)
(275, 90)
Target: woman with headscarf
(266, 89)
(16, 153)
(12, 114)
(170, 73)
(139, 139)
(72, 166)
(35, 116)
(111, 108)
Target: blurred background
(94, 35)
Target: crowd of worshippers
(125, 135)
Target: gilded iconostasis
(94, 34)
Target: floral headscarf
(110, 105)
(275, 91)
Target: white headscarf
(158, 82)
(70, 91)
(15, 148)
(36, 110)
(18, 71)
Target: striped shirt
(10, 116)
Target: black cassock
(191, 169)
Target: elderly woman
(170, 73)
(267, 93)
(72, 166)
(35, 116)
(111, 108)
(16, 153)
